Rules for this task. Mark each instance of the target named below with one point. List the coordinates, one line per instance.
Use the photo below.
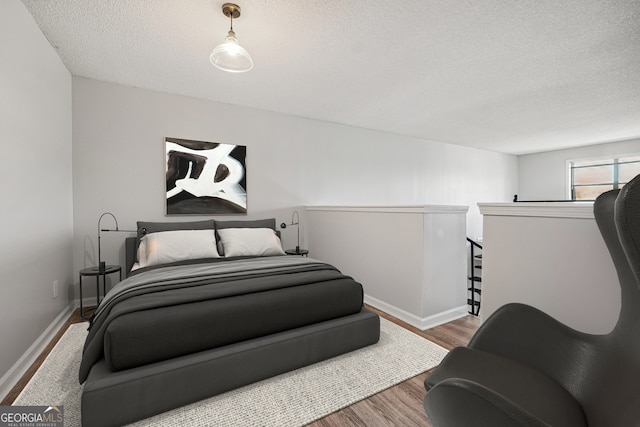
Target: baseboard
(15, 373)
(443, 317)
(421, 323)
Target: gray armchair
(523, 368)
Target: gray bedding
(167, 312)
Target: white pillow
(178, 245)
(250, 242)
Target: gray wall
(118, 166)
(36, 202)
(543, 176)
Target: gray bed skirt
(117, 398)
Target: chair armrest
(457, 402)
(528, 335)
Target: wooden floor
(400, 405)
(15, 391)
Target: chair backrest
(627, 220)
(611, 395)
(610, 210)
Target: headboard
(130, 253)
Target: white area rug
(292, 399)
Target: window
(590, 178)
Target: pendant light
(230, 56)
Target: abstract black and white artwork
(205, 178)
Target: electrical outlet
(55, 289)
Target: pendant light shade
(230, 56)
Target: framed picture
(205, 178)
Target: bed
(207, 307)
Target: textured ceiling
(515, 76)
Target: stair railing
(472, 302)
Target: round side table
(97, 272)
(300, 252)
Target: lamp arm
(293, 215)
(296, 223)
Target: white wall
(36, 202)
(543, 176)
(118, 167)
(119, 131)
(353, 166)
(411, 260)
(550, 256)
